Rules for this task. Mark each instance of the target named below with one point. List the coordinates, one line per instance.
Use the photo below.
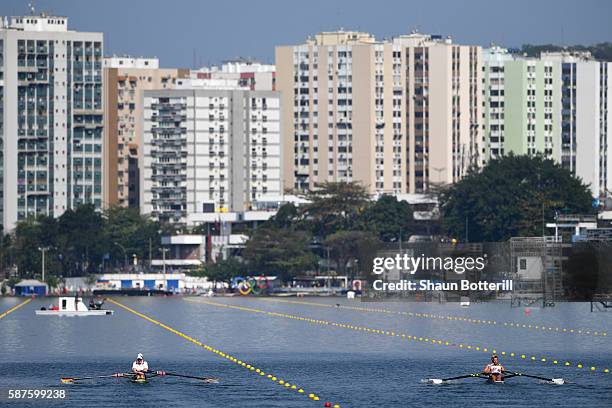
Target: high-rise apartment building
(209, 145)
(585, 116)
(126, 78)
(521, 102)
(51, 125)
(443, 100)
(395, 115)
(555, 105)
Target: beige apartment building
(395, 115)
(126, 80)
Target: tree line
(342, 228)
(339, 229)
(81, 242)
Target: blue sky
(225, 29)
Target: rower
(140, 366)
(495, 369)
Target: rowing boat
(489, 380)
(138, 379)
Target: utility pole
(150, 253)
(43, 250)
(124, 254)
(399, 240)
(164, 250)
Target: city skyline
(254, 31)
(394, 114)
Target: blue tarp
(30, 290)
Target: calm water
(352, 368)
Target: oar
(207, 379)
(441, 380)
(68, 380)
(558, 381)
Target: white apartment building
(209, 146)
(51, 124)
(393, 115)
(585, 147)
(126, 61)
(251, 74)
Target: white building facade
(51, 125)
(250, 74)
(585, 147)
(208, 147)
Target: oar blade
(66, 380)
(205, 379)
(435, 380)
(558, 381)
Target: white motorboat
(74, 306)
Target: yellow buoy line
(285, 384)
(538, 327)
(403, 336)
(11, 310)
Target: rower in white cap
(140, 366)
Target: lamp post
(164, 250)
(124, 254)
(43, 250)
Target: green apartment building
(520, 102)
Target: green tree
(285, 217)
(12, 281)
(126, 228)
(6, 259)
(387, 217)
(26, 241)
(53, 281)
(79, 242)
(223, 271)
(347, 246)
(334, 207)
(511, 196)
(280, 252)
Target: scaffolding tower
(548, 287)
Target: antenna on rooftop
(562, 38)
